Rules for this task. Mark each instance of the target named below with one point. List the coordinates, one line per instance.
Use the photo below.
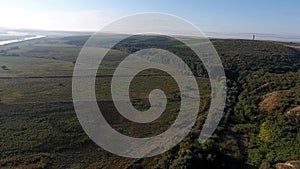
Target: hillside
(39, 127)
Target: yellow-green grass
(42, 90)
(47, 90)
(25, 66)
(22, 88)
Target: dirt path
(64, 77)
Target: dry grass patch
(271, 100)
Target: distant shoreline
(6, 42)
(211, 35)
(258, 36)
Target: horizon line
(212, 35)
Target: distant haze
(276, 20)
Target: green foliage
(264, 132)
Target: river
(5, 42)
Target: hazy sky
(223, 16)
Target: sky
(217, 16)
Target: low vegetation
(39, 128)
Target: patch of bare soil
(294, 111)
(271, 100)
